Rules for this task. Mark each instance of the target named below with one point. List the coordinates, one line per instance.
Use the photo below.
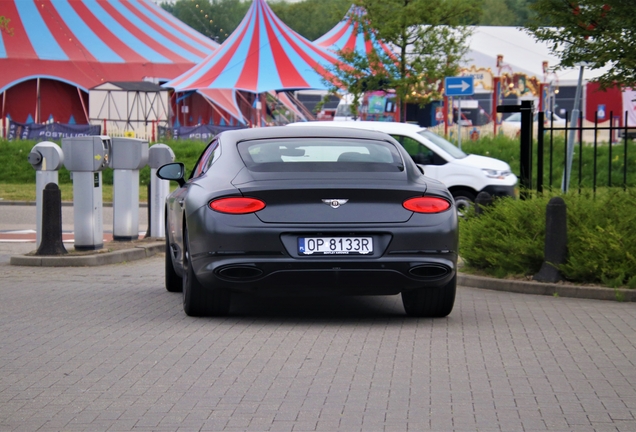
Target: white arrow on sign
(464, 85)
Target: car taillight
(237, 205)
(426, 204)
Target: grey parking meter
(128, 156)
(158, 155)
(86, 157)
(46, 158)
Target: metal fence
(592, 155)
(579, 155)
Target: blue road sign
(459, 86)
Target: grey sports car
(307, 211)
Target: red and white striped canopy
(226, 100)
(349, 35)
(262, 54)
(88, 42)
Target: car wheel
(173, 282)
(199, 300)
(463, 201)
(430, 302)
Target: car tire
(430, 302)
(464, 200)
(173, 282)
(199, 300)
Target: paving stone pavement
(107, 348)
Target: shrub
(602, 238)
(508, 238)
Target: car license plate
(335, 245)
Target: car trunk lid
(329, 202)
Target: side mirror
(172, 171)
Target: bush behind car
(508, 238)
(508, 241)
(17, 170)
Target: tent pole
(79, 92)
(259, 108)
(215, 108)
(37, 102)
(249, 104)
(2, 118)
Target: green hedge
(16, 168)
(508, 238)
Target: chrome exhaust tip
(430, 271)
(235, 272)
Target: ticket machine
(158, 155)
(86, 157)
(129, 155)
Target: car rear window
(320, 155)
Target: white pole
(459, 122)
(565, 183)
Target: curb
(548, 289)
(138, 252)
(64, 203)
(515, 286)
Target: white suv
(464, 175)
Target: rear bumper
(349, 276)
(241, 253)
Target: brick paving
(107, 348)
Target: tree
(311, 18)
(4, 25)
(358, 73)
(429, 41)
(216, 19)
(219, 18)
(521, 9)
(496, 13)
(599, 33)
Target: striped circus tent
(55, 50)
(349, 35)
(262, 54)
(226, 100)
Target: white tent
(521, 52)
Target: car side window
(418, 151)
(209, 156)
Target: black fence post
(556, 241)
(525, 161)
(540, 144)
(483, 199)
(527, 111)
(148, 231)
(51, 243)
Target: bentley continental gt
(309, 211)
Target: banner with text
(52, 131)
